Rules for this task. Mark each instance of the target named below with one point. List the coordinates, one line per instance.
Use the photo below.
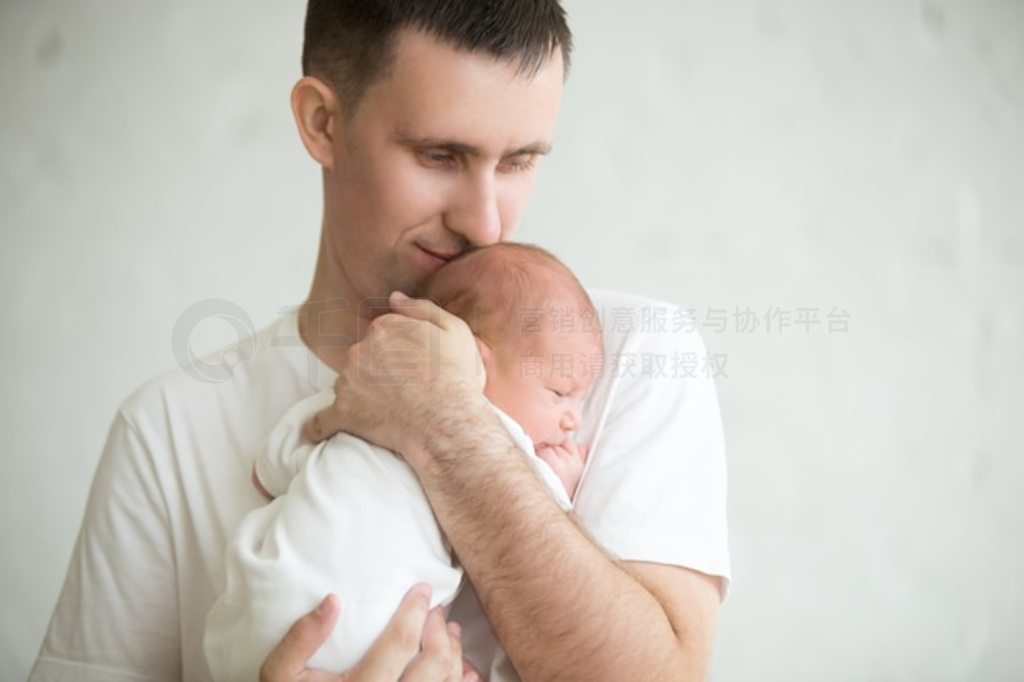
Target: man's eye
(436, 158)
(560, 394)
(521, 162)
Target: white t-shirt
(350, 518)
(173, 483)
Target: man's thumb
(301, 641)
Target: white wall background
(860, 154)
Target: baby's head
(536, 328)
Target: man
(428, 119)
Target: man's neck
(327, 331)
(329, 319)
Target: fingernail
(422, 589)
(471, 677)
(456, 630)
(399, 296)
(324, 605)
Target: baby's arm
(287, 450)
(259, 486)
(567, 460)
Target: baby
(351, 518)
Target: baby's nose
(570, 420)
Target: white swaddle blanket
(354, 521)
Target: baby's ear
(485, 350)
(486, 358)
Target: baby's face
(541, 380)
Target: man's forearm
(562, 609)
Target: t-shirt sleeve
(287, 450)
(116, 617)
(655, 485)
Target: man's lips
(440, 255)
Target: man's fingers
(455, 637)
(400, 641)
(463, 670)
(289, 657)
(470, 673)
(434, 664)
(422, 309)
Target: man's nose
(473, 213)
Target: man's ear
(317, 114)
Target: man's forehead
(435, 91)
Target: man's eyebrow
(406, 140)
(539, 148)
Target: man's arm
(561, 607)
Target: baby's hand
(567, 460)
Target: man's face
(440, 155)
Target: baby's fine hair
(511, 284)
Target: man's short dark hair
(350, 43)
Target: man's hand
(409, 361)
(567, 460)
(416, 646)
